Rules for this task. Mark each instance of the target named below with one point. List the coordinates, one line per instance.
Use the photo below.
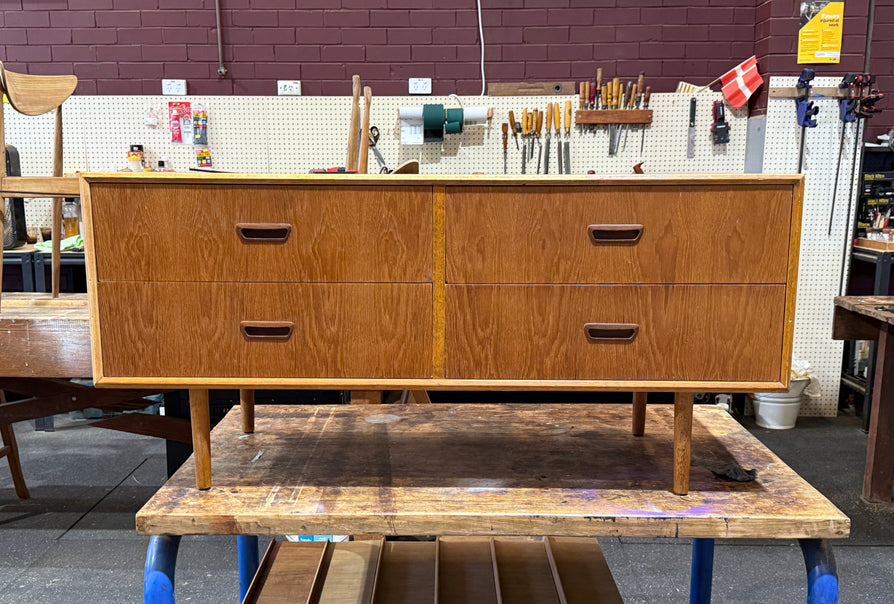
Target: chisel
(598, 91)
(505, 147)
(582, 103)
(524, 127)
(690, 143)
(514, 126)
(532, 116)
(557, 117)
(567, 137)
(549, 125)
(538, 124)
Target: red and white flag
(740, 82)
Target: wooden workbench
(872, 318)
(564, 470)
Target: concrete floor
(74, 540)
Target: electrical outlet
(288, 87)
(173, 87)
(420, 85)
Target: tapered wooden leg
(420, 396)
(2, 176)
(247, 404)
(200, 414)
(639, 413)
(878, 475)
(8, 438)
(682, 441)
(57, 205)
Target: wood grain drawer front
(679, 234)
(157, 232)
(265, 330)
(682, 332)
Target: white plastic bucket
(779, 411)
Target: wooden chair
(36, 95)
(10, 450)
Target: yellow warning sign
(819, 40)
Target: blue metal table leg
(702, 571)
(247, 547)
(822, 572)
(158, 576)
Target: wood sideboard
(646, 283)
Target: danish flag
(740, 82)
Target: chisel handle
(524, 122)
(512, 123)
(646, 97)
(627, 95)
(583, 90)
(641, 82)
(606, 97)
(567, 117)
(557, 115)
(505, 136)
(538, 121)
(549, 117)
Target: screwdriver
(505, 147)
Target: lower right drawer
(615, 332)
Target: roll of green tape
(455, 117)
(433, 117)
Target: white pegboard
(819, 274)
(292, 135)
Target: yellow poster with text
(819, 40)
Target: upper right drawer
(618, 234)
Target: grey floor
(74, 540)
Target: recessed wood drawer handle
(264, 232)
(267, 330)
(616, 332)
(601, 234)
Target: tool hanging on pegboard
(847, 113)
(806, 110)
(720, 128)
(690, 140)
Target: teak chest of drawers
(674, 283)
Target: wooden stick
(57, 206)
(683, 402)
(2, 176)
(878, 475)
(351, 161)
(364, 134)
(639, 413)
(247, 405)
(200, 415)
(8, 438)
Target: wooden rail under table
(566, 471)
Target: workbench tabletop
(877, 307)
(485, 470)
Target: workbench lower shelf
(483, 570)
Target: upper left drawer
(261, 233)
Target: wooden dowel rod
(200, 415)
(639, 413)
(682, 441)
(247, 405)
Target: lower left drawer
(265, 330)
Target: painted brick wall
(128, 46)
(881, 64)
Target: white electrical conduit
(481, 38)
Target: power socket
(173, 87)
(288, 87)
(420, 85)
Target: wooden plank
(462, 469)
(529, 88)
(879, 308)
(850, 325)
(878, 475)
(72, 399)
(210, 180)
(42, 337)
(585, 575)
(872, 244)
(169, 428)
(408, 573)
(539, 332)
(613, 116)
(352, 571)
(426, 384)
(465, 571)
(525, 574)
(791, 92)
(39, 186)
(92, 280)
(288, 573)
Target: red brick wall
(881, 64)
(127, 46)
